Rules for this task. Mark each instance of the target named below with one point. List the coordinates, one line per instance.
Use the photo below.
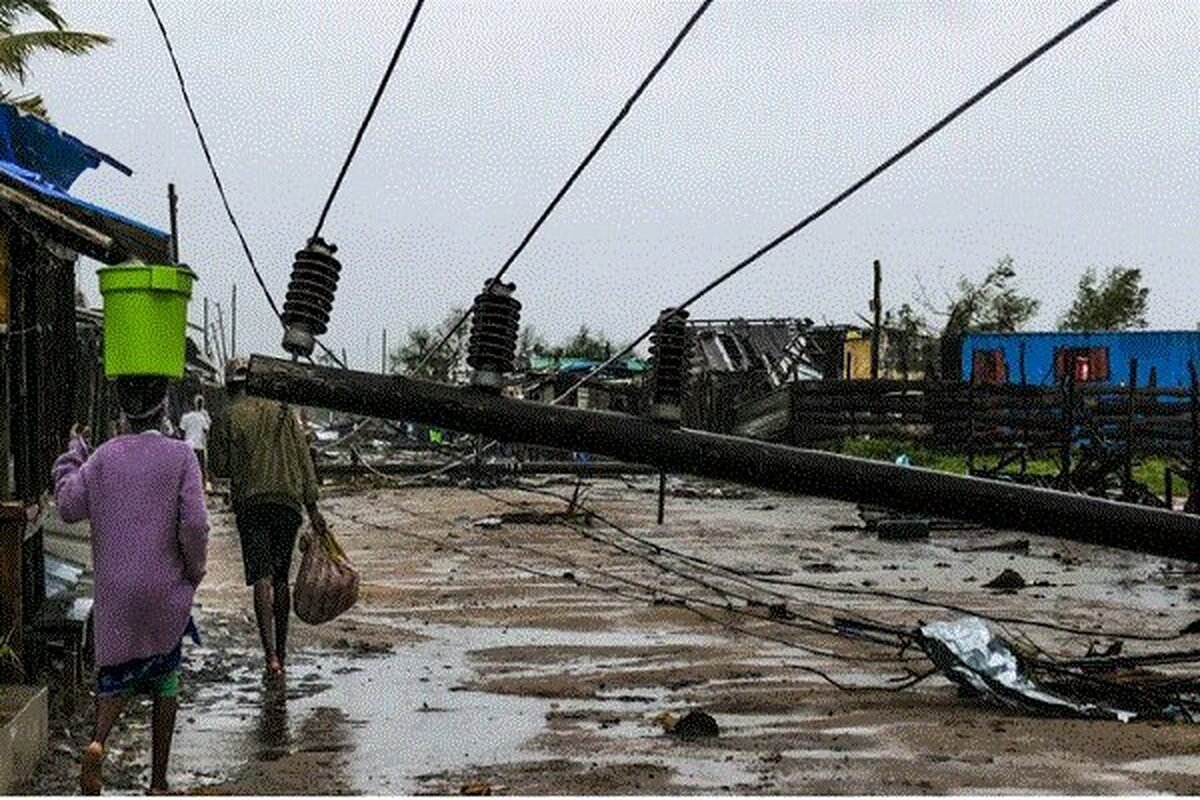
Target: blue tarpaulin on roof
(41, 158)
(37, 146)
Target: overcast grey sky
(1090, 158)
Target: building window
(989, 366)
(1083, 364)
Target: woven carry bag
(327, 584)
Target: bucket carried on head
(145, 318)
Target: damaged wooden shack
(51, 375)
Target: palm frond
(11, 11)
(15, 49)
(29, 103)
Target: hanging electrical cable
(212, 168)
(366, 121)
(838, 199)
(216, 176)
(315, 271)
(566, 187)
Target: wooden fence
(1095, 434)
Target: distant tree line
(1114, 301)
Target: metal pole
(1193, 502)
(662, 496)
(207, 344)
(383, 356)
(233, 322)
(1001, 504)
(1127, 475)
(173, 210)
(1025, 404)
(877, 327)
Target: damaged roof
(38, 165)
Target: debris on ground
(539, 517)
(488, 523)
(1014, 546)
(477, 789)
(695, 725)
(971, 655)
(1008, 580)
(901, 530)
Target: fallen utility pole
(771, 466)
(493, 469)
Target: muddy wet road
(535, 657)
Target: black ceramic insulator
(670, 358)
(495, 320)
(309, 297)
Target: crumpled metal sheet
(969, 653)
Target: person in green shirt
(272, 479)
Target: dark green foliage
(1116, 302)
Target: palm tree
(16, 47)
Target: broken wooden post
(1193, 502)
(662, 496)
(877, 320)
(173, 211)
(1127, 475)
(1002, 504)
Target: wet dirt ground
(525, 657)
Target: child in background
(143, 495)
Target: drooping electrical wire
(883, 167)
(362, 128)
(566, 187)
(216, 176)
(208, 157)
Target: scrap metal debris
(970, 654)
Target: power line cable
(187, 101)
(883, 167)
(216, 176)
(362, 128)
(566, 187)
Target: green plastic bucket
(145, 319)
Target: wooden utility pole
(1000, 504)
(877, 325)
(173, 210)
(383, 356)
(207, 343)
(221, 329)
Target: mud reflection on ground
(462, 668)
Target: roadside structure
(1099, 358)
(43, 231)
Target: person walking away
(272, 479)
(196, 425)
(142, 494)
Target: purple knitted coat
(149, 531)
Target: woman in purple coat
(143, 495)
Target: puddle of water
(1170, 765)
(386, 720)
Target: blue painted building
(1101, 357)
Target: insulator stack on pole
(309, 298)
(670, 361)
(492, 347)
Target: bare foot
(274, 667)
(90, 781)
